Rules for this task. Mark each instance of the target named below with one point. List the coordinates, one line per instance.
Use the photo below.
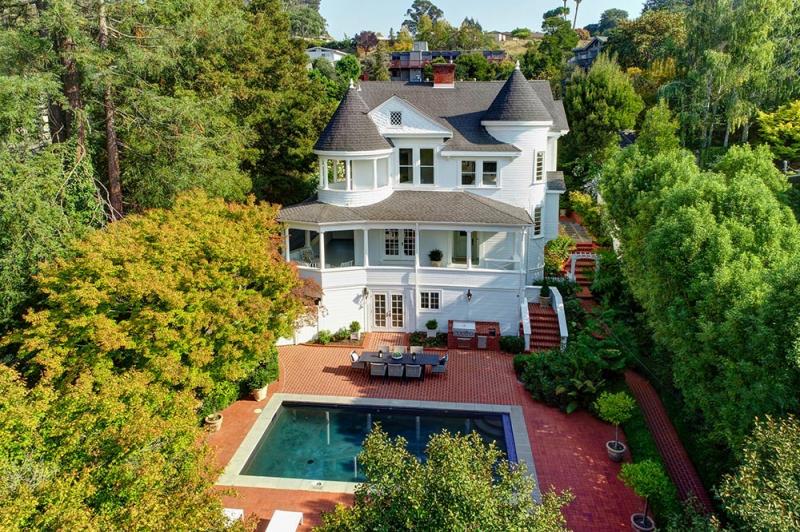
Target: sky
(351, 16)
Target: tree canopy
(464, 485)
(419, 9)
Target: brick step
(546, 332)
(547, 347)
(540, 311)
(545, 340)
(544, 323)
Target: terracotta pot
(431, 333)
(616, 450)
(642, 523)
(214, 422)
(259, 394)
(544, 301)
(436, 263)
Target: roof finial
(352, 86)
(517, 67)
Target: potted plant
(355, 330)
(213, 421)
(615, 408)
(544, 295)
(432, 326)
(436, 258)
(259, 381)
(647, 479)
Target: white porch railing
(557, 302)
(525, 317)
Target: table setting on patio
(399, 363)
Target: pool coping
(231, 475)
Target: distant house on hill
(315, 52)
(586, 52)
(501, 36)
(408, 66)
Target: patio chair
(416, 349)
(283, 521)
(395, 370)
(414, 371)
(399, 349)
(441, 367)
(354, 363)
(377, 369)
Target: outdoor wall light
(469, 295)
(365, 292)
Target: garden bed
(421, 338)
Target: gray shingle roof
(412, 206)
(350, 128)
(555, 182)
(517, 101)
(461, 108)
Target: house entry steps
(545, 334)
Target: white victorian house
(411, 172)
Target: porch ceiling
(412, 206)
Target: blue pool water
(320, 442)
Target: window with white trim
(468, 173)
(426, 176)
(489, 174)
(406, 165)
(396, 118)
(537, 220)
(430, 300)
(409, 242)
(393, 246)
(538, 167)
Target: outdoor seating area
(399, 362)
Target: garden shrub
(355, 327)
(573, 378)
(223, 394)
(565, 287)
(324, 337)
(512, 344)
(521, 361)
(421, 338)
(591, 213)
(556, 252)
(341, 335)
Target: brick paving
(569, 450)
(679, 466)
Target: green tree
(348, 68)
(376, 65)
(647, 479)
(656, 35)
(473, 66)
(599, 103)
(610, 19)
(615, 408)
(306, 22)
(659, 131)
(763, 493)
(547, 58)
(418, 10)
(781, 131)
(482, 489)
(521, 33)
(117, 452)
(193, 296)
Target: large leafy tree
(547, 58)
(781, 130)
(763, 493)
(610, 19)
(710, 255)
(463, 485)
(419, 9)
(656, 35)
(111, 452)
(194, 296)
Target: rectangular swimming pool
(321, 442)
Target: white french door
(388, 311)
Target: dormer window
(396, 118)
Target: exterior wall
(331, 55)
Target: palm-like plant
(575, 17)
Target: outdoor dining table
(422, 359)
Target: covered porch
(406, 246)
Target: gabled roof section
(517, 101)
(453, 207)
(415, 121)
(351, 129)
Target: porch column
(416, 246)
(347, 176)
(374, 173)
(523, 257)
(325, 174)
(308, 238)
(286, 243)
(321, 249)
(366, 246)
(322, 165)
(469, 250)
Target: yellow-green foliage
(590, 212)
(781, 130)
(193, 295)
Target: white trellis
(575, 257)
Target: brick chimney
(444, 75)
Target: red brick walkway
(569, 450)
(679, 465)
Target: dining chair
(395, 370)
(441, 367)
(414, 371)
(354, 363)
(416, 349)
(377, 369)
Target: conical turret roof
(350, 128)
(517, 101)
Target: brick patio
(569, 451)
